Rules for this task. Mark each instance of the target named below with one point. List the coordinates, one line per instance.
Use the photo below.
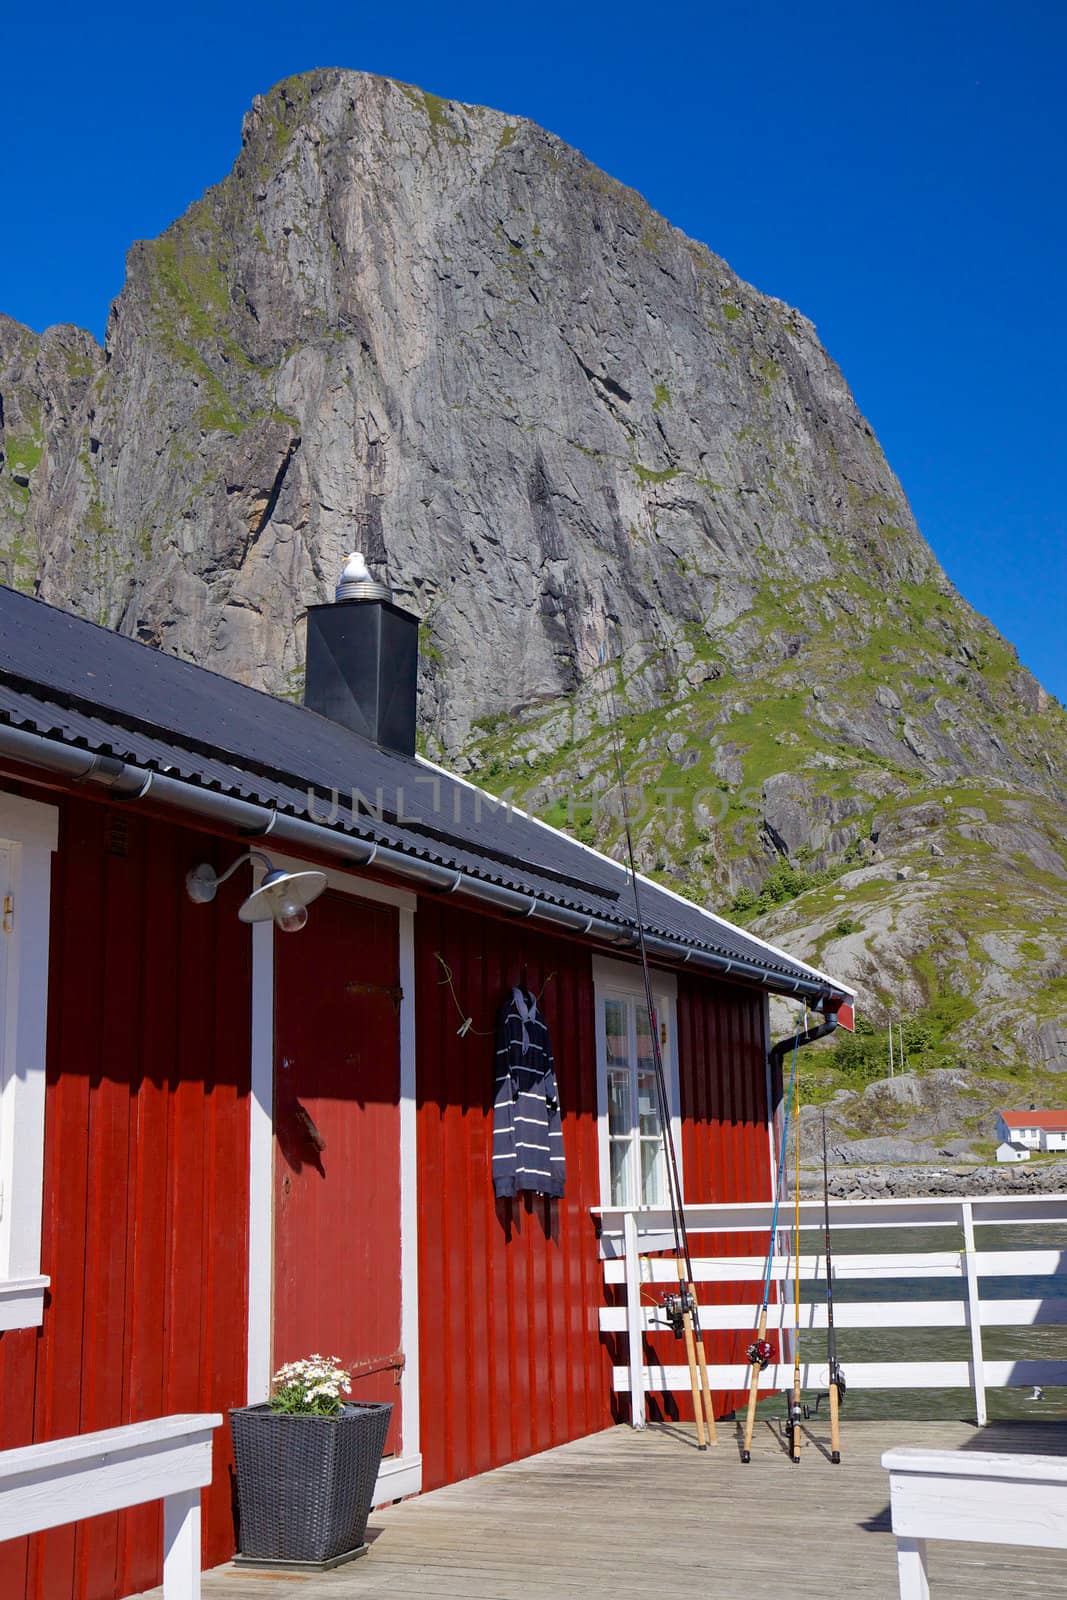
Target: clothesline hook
(466, 1020)
(444, 967)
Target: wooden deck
(645, 1514)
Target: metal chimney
(362, 660)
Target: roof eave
(131, 783)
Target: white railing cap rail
(653, 1223)
(749, 1212)
(106, 1444)
(976, 1464)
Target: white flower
(317, 1377)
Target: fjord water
(1043, 1343)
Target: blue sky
(895, 170)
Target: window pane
(648, 1104)
(645, 1058)
(620, 1171)
(653, 1189)
(620, 1117)
(617, 1033)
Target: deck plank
(632, 1514)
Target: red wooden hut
(223, 1146)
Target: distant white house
(1036, 1130)
(1012, 1152)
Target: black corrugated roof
(75, 682)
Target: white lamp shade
(279, 891)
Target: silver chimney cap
(356, 582)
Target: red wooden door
(337, 1146)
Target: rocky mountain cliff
(567, 431)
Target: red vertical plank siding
(511, 1361)
(74, 1038)
(146, 1182)
(146, 1186)
(157, 1029)
(17, 1357)
(108, 1222)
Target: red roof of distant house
(1051, 1121)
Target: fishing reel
(795, 1413)
(675, 1307)
(760, 1353)
(837, 1377)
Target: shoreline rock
(885, 1182)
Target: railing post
(181, 1545)
(912, 1571)
(974, 1315)
(634, 1322)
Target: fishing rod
(759, 1351)
(795, 1413)
(682, 1310)
(836, 1376)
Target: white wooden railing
(46, 1485)
(979, 1497)
(631, 1238)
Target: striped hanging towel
(527, 1129)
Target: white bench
(46, 1485)
(977, 1496)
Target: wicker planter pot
(304, 1484)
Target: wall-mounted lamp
(283, 896)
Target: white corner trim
(29, 830)
(409, 1202)
(261, 1166)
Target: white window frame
(30, 831)
(624, 980)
